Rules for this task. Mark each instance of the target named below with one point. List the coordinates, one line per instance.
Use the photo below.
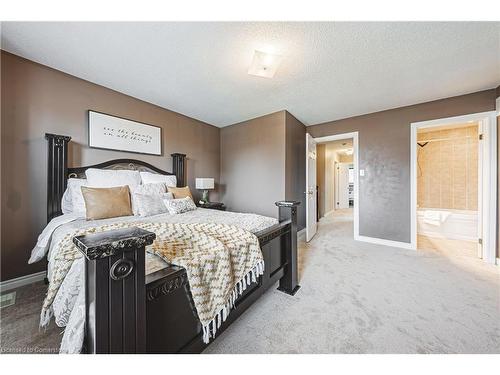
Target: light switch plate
(361, 172)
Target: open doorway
(335, 176)
(332, 181)
(453, 186)
(344, 182)
(448, 185)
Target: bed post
(178, 168)
(289, 283)
(57, 172)
(115, 290)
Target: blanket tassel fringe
(45, 317)
(210, 329)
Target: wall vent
(7, 299)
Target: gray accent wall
(263, 161)
(253, 164)
(384, 154)
(37, 100)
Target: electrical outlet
(361, 172)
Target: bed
(118, 298)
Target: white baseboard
(21, 281)
(380, 241)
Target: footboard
(165, 318)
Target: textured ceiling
(329, 70)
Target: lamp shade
(204, 183)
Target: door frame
(355, 162)
(488, 193)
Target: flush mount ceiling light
(264, 64)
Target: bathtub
(454, 225)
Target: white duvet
(69, 304)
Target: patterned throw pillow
(149, 205)
(179, 206)
(157, 189)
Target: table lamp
(204, 184)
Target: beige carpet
(355, 298)
(362, 298)
(19, 324)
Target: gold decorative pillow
(180, 192)
(103, 203)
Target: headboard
(59, 172)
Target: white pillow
(158, 189)
(112, 178)
(66, 205)
(151, 178)
(149, 205)
(179, 206)
(72, 200)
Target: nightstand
(213, 205)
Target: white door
(310, 187)
(342, 186)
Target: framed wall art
(116, 133)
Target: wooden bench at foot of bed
(128, 312)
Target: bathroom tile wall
(448, 169)
(345, 158)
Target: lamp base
(204, 198)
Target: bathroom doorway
(448, 189)
(451, 186)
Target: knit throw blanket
(220, 261)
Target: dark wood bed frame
(129, 312)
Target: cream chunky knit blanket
(220, 260)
